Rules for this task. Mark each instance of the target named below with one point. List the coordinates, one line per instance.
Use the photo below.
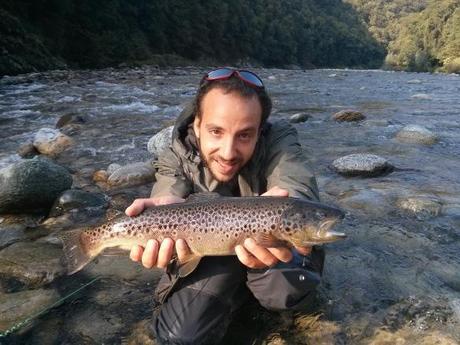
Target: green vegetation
(414, 35)
(420, 35)
(85, 33)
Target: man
(223, 143)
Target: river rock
(70, 119)
(112, 168)
(421, 206)
(368, 201)
(32, 185)
(13, 227)
(51, 141)
(160, 141)
(100, 176)
(299, 117)
(29, 266)
(132, 175)
(27, 151)
(348, 116)
(421, 96)
(16, 307)
(77, 199)
(417, 135)
(362, 164)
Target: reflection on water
(395, 280)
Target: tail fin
(75, 254)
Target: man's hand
(255, 256)
(156, 254)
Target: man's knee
(191, 317)
(281, 289)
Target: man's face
(227, 131)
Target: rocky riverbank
(78, 147)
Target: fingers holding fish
(303, 250)
(276, 191)
(255, 256)
(182, 250)
(136, 253)
(139, 205)
(150, 254)
(165, 253)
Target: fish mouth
(327, 233)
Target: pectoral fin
(269, 241)
(188, 264)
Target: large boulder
(361, 164)
(32, 185)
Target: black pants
(198, 309)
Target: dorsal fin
(203, 196)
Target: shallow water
(396, 279)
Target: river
(395, 280)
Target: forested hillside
(419, 35)
(40, 34)
(415, 35)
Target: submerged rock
(51, 141)
(160, 141)
(29, 266)
(361, 164)
(299, 117)
(132, 175)
(32, 185)
(16, 307)
(13, 227)
(417, 135)
(78, 199)
(348, 116)
(421, 206)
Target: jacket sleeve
(287, 165)
(170, 179)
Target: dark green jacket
(278, 160)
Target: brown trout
(211, 225)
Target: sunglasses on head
(248, 77)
